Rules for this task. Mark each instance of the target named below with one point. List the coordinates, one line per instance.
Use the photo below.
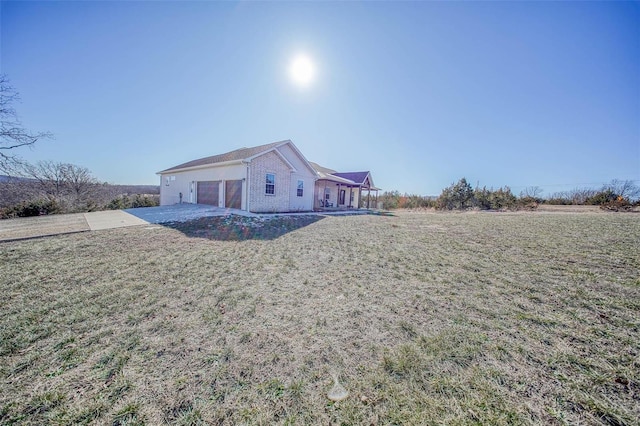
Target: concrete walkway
(110, 219)
(43, 226)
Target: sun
(302, 70)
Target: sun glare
(301, 70)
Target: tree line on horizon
(49, 187)
(616, 195)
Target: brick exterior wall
(258, 200)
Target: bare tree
(12, 134)
(579, 196)
(624, 188)
(71, 186)
(48, 176)
(79, 181)
(531, 192)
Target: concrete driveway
(42, 226)
(182, 212)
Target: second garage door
(233, 194)
(208, 192)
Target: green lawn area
(425, 318)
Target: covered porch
(336, 194)
(332, 195)
(335, 191)
(368, 193)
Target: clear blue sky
(420, 93)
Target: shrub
(617, 204)
(145, 201)
(502, 199)
(530, 203)
(558, 200)
(416, 202)
(486, 199)
(139, 200)
(118, 203)
(602, 197)
(36, 207)
(458, 196)
(390, 200)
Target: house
(275, 177)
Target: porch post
(338, 196)
(350, 197)
(324, 196)
(368, 196)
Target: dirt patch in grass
(424, 318)
(239, 228)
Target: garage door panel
(208, 192)
(233, 194)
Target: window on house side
(327, 193)
(300, 188)
(270, 188)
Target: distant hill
(5, 178)
(137, 189)
(122, 189)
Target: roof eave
(201, 166)
(336, 179)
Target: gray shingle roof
(319, 168)
(238, 154)
(345, 177)
(357, 177)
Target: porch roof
(357, 177)
(332, 178)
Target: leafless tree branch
(12, 134)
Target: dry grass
(426, 318)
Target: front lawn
(425, 318)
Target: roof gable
(291, 155)
(276, 153)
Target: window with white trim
(300, 188)
(270, 187)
